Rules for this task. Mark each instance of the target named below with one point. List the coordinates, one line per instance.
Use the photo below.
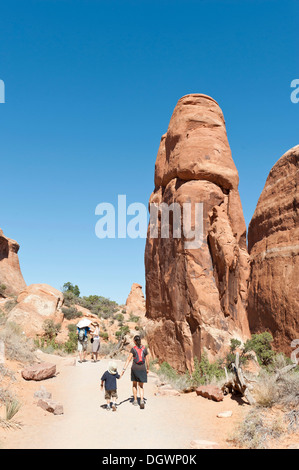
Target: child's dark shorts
(110, 394)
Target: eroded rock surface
(273, 243)
(35, 304)
(196, 295)
(10, 272)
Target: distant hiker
(82, 342)
(109, 378)
(139, 369)
(95, 340)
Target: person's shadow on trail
(130, 399)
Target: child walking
(109, 378)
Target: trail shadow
(130, 399)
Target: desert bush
(5, 394)
(274, 387)
(261, 345)
(9, 305)
(119, 317)
(51, 329)
(256, 429)
(69, 299)
(71, 344)
(168, 374)
(231, 356)
(17, 345)
(122, 331)
(104, 335)
(71, 312)
(134, 318)
(99, 305)
(2, 289)
(206, 372)
(265, 390)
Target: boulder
(196, 295)
(39, 371)
(273, 243)
(51, 406)
(211, 392)
(35, 304)
(10, 272)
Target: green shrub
(231, 356)
(205, 372)
(104, 335)
(70, 299)
(119, 317)
(122, 331)
(2, 289)
(70, 345)
(134, 318)
(71, 312)
(261, 345)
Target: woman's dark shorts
(138, 374)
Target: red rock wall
(273, 243)
(10, 272)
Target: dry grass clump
(256, 429)
(280, 386)
(276, 392)
(11, 407)
(17, 345)
(7, 400)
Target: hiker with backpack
(139, 369)
(82, 341)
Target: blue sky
(90, 89)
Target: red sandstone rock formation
(196, 297)
(273, 243)
(37, 303)
(135, 303)
(10, 272)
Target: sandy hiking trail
(167, 422)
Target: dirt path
(167, 422)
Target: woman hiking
(95, 335)
(139, 369)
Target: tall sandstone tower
(273, 244)
(196, 297)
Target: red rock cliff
(273, 243)
(10, 272)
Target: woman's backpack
(81, 334)
(139, 357)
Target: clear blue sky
(90, 89)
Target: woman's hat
(112, 368)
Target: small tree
(261, 345)
(69, 287)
